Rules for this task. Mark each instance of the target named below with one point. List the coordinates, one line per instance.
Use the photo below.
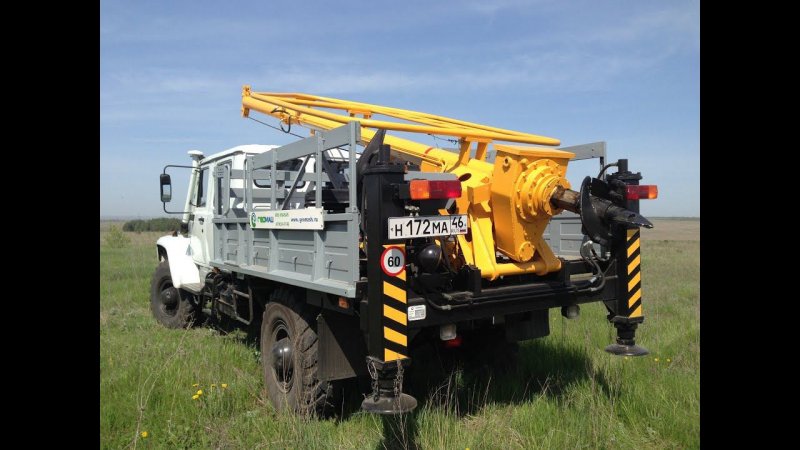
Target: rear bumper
(512, 299)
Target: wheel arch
(177, 252)
(161, 253)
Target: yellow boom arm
(508, 202)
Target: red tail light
(454, 343)
(641, 192)
(428, 189)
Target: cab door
(200, 226)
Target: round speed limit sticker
(393, 261)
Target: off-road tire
(296, 388)
(171, 307)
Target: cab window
(201, 188)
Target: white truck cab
(189, 255)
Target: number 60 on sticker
(393, 261)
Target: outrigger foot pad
(389, 405)
(626, 350)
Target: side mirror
(166, 188)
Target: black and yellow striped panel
(634, 273)
(395, 320)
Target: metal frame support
(588, 151)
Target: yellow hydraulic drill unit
(486, 263)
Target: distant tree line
(160, 224)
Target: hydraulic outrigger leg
(611, 218)
(387, 325)
(628, 308)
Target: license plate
(427, 226)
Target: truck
(349, 247)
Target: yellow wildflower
(144, 434)
(199, 392)
(195, 397)
(196, 385)
(224, 385)
(655, 359)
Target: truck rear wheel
(289, 346)
(171, 306)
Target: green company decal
(303, 219)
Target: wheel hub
(169, 299)
(282, 362)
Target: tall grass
(564, 392)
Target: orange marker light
(429, 189)
(641, 192)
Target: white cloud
(678, 21)
(493, 6)
(157, 93)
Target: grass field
(565, 391)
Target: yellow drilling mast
(508, 203)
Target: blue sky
(624, 72)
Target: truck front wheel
(171, 306)
(289, 346)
